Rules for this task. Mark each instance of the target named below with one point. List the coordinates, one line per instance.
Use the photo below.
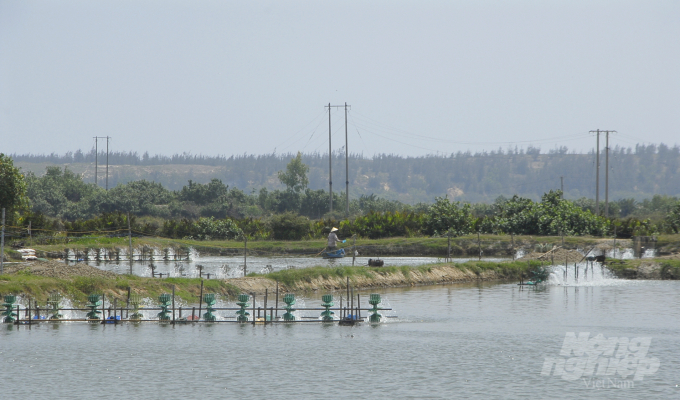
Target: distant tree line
(638, 172)
(61, 201)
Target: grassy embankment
(78, 288)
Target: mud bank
(646, 269)
(325, 279)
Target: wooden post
(528, 268)
(193, 314)
(614, 241)
(277, 300)
(130, 240)
(351, 307)
(127, 305)
(180, 313)
(341, 309)
(173, 304)
(200, 301)
(245, 257)
(512, 244)
(253, 314)
(115, 311)
(359, 305)
(448, 246)
(30, 317)
(103, 309)
(265, 305)
(479, 247)
(354, 248)
(575, 272)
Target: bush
(289, 226)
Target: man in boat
(332, 240)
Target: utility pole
(107, 167)
(597, 174)
(346, 166)
(606, 173)
(562, 186)
(330, 157)
(96, 154)
(606, 176)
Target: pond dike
(367, 278)
(662, 269)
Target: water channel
(486, 340)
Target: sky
(419, 77)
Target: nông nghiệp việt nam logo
(583, 356)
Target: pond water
(448, 341)
(232, 267)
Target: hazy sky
(234, 77)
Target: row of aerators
(97, 312)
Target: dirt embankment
(397, 278)
(58, 269)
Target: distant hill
(638, 172)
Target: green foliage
(12, 189)
(138, 197)
(289, 226)
(552, 216)
(673, 218)
(106, 222)
(211, 228)
(375, 225)
(630, 227)
(203, 194)
(202, 229)
(445, 216)
(295, 176)
(62, 194)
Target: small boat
(339, 253)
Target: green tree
(12, 188)
(445, 216)
(295, 175)
(673, 218)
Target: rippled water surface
(232, 267)
(455, 341)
